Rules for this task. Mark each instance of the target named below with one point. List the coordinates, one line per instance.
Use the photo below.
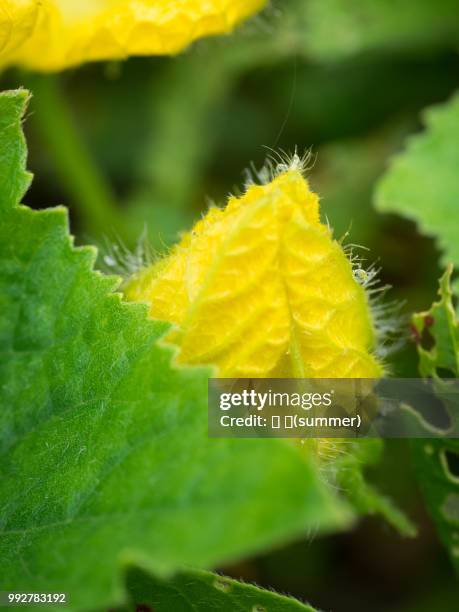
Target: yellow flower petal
(261, 289)
(69, 32)
(17, 21)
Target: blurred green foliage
(422, 182)
(437, 461)
(339, 28)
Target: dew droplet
(222, 584)
(361, 275)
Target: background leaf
(104, 454)
(422, 182)
(193, 591)
(437, 460)
(439, 482)
(339, 28)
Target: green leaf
(104, 455)
(198, 590)
(440, 323)
(339, 28)
(440, 487)
(437, 460)
(14, 180)
(422, 183)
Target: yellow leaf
(52, 35)
(261, 289)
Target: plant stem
(79, 176)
